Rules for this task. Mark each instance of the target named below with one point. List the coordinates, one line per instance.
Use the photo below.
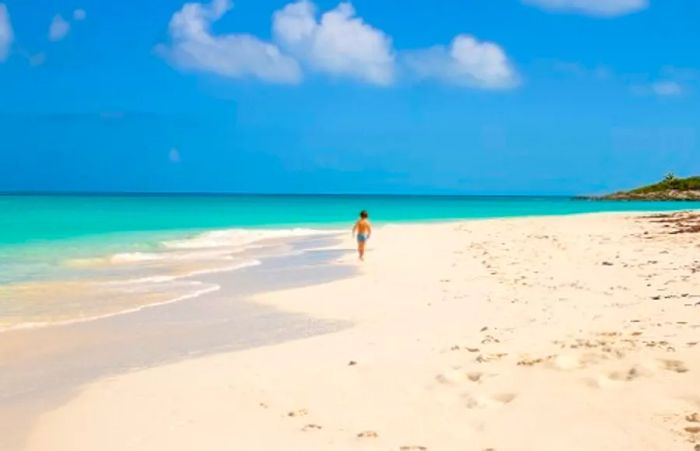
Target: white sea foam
(197, 272)
(240, 237)
(143, 280)
(135, 257)
(205, 253)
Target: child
(364, 230)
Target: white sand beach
(572, 333)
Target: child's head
(364, 214)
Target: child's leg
(361, 249)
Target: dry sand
(548, 334)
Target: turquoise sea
(42, 219)
(78, 248)
(60, 225)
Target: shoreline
(41, 325)
(181, 258)
(309, 232)
(482, 324)
(198, 241)
(44, 367)
(289, 234)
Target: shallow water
(76, 258)
(124, 219)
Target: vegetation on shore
(670, 188)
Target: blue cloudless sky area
(594, 101)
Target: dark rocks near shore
(677, 195)
(666, 195)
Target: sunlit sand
(551, 333)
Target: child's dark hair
(364, 214)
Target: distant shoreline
(655, 197)
(669, 195)
(272, 194)
(671, 188)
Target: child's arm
(354, 228)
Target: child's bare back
(363, 230)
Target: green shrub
(671, 182)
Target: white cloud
(680, 74)
(340, 43)
(37, 59)
(599, 72)
(58, 29)
(6, 34)
(661, 88)
(174, 155)
(666, 88)
(670, 81)
(601, 8)
(336, 43)
(79, 15)
(194, 47)
(466, 62)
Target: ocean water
(65, 258)
(32, 219)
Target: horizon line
(262, 194)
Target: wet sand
(42, 368)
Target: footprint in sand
(629, 375)
(367, 434)
(298, 413)
(458, 376)
(532, 362)
(481, 358)
(413, 448)
(480, 402)
(490, 339)
(457, 348)
(311, 427)
(674, 365)
(474, 376)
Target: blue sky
(454, 96)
